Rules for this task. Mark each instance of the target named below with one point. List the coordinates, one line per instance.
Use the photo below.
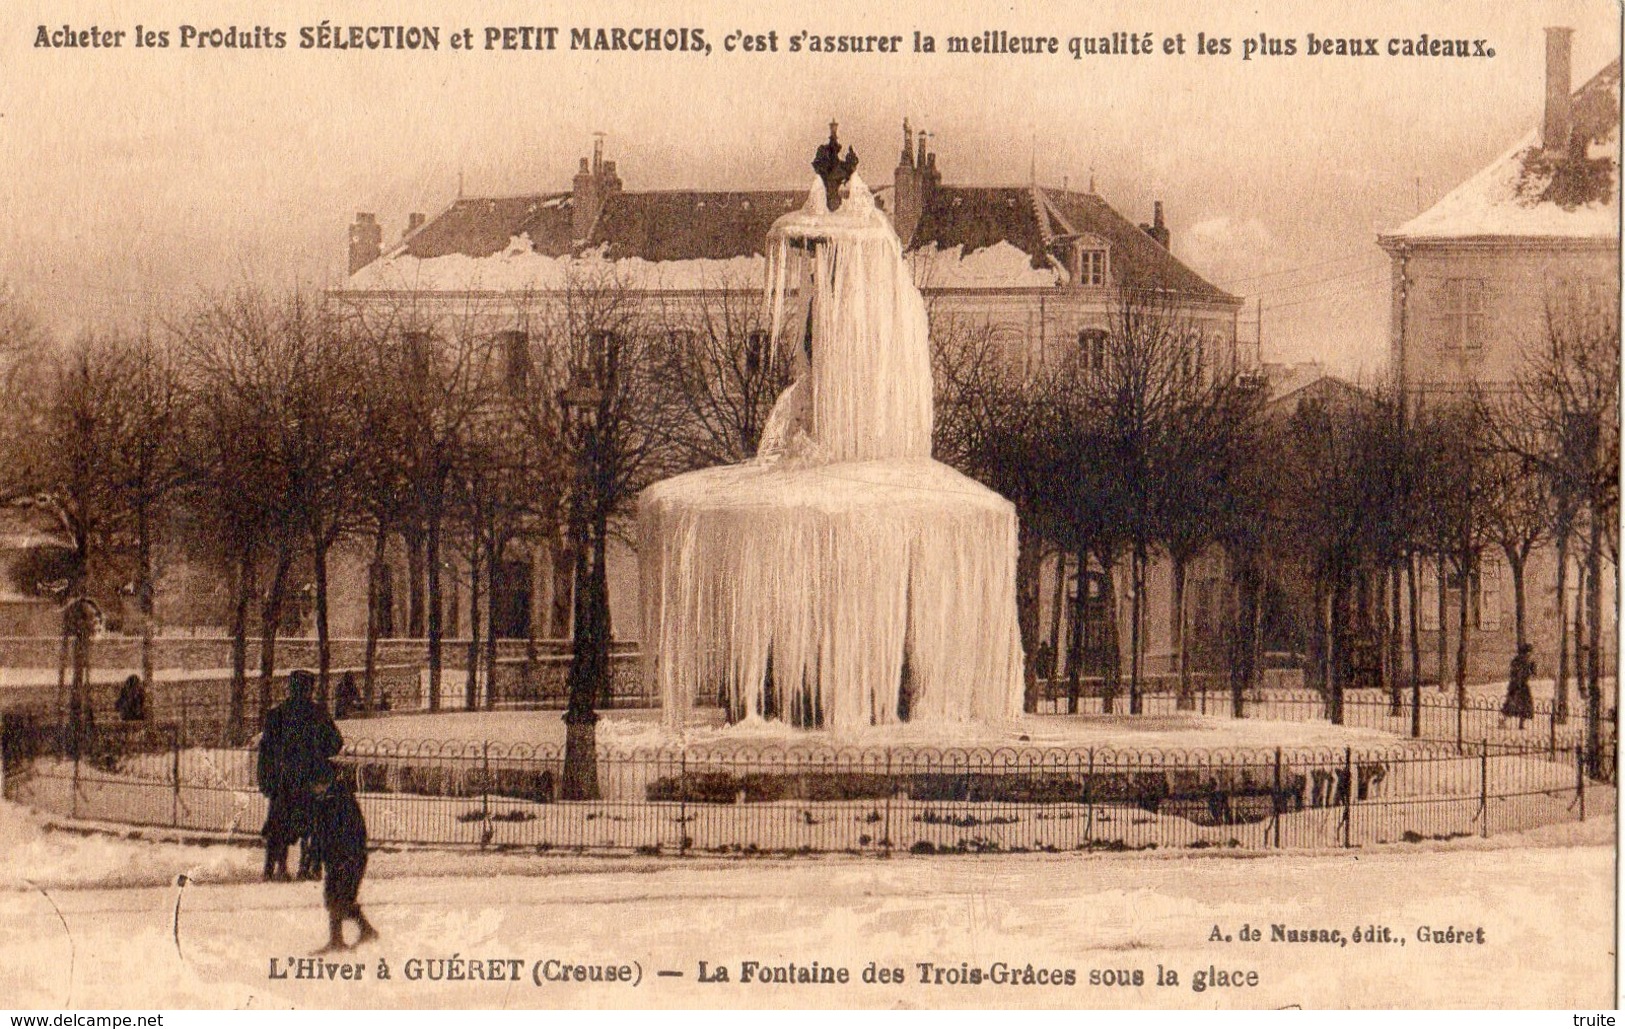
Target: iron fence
(737, 799)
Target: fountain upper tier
(865, 391)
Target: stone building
(1476, 277)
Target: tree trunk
(1057, 616)
(1413, 595)
(1462, 628)
(1515, 561)
(580, 772)
(471, 681)
(245, 587)
(1393, 660)
(414, 582)
(1593, 668)
(1337, 642)
(270, 622)
(1444, 635)
(1315, 672)
(1114, 639)
(324, 646)
(494, 547)
(1136, 642)
(1578, 641)
(144, 592)
(1186, 698)
(431, 554)
(1079, 631)
(1560, 684)
(1029, 560)
(375, 578)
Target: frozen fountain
(843, 579)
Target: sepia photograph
(729, 506)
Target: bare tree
(721, 372)
(1568, 393)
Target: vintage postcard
(736, 505)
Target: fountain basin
(880, 591)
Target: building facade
(1481, 280)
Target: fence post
(175, 778)
(1089, 802)
(682, 802)
(1280, 798)
(1551, 728)
(1348, 796)
(485, 783)
(74, 807)
(891, 791)
(1461, 710)
(1484, 788)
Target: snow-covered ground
(96, 921)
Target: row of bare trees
(254, 434)
(1132, 446)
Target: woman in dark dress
(1520, 704)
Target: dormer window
(1087, 259)
(1091, 267)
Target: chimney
(414, 222)
(583, 201)
(1157, 230)
(593, 184)
(366, 241)
(1559, 122)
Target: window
(1461, 313)
(1092, 347)
(1091, 267)
(515, 346)
(415, 355)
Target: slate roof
(690, 225)
(684, 225)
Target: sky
(134, 180)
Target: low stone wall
(541, 683)
(198, 703)
(197, 652)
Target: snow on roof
(1514, 196)
(1002, 265)
(518, 268)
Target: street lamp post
(584, 403)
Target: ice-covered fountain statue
(843, 579)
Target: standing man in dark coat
(295, 751)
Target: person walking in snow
(340, 835)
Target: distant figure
(340, 834)
(132, 700)
(347, 698)
(1520, 704)
(1044, 660)
(295, 749)
(383, 700)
